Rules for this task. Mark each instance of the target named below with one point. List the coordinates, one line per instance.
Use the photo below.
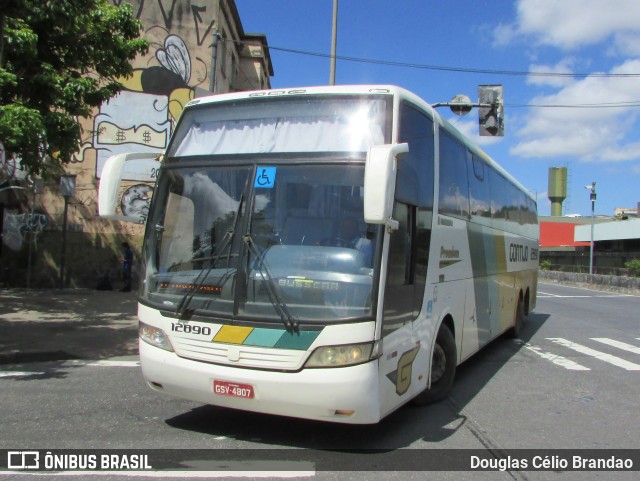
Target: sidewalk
(58, 324)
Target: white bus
(328, 253)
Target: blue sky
(594, 40)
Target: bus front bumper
(345, 395)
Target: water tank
(557, 189)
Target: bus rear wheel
(443, 369)
(515, 330)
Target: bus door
(404, 362)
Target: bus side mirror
(380, 182)
(111, 179)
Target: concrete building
(565, 242)
(181, 64)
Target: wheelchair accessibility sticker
(265, 178)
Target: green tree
(634, 266)
(59, 59)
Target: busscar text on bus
(327, 253)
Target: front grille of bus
(248, 356)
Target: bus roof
(319, 90)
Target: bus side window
(499, 202)
(479, 193)
(454, 186)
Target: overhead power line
(456, 69)
(604, 105)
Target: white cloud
(627, 43)
(570, 24)
(587, 134)
(563, 67)
(504, 34)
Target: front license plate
(233, 389)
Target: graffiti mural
(177, 67)
(135, 200)
(141, 118)
(19, 229)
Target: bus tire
(443, 369)
(515, 331)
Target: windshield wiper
(290, 322)
(183, 310)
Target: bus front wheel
(443, 368)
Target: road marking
(19, 373)
(100, 363)
(599, 291)
(106, 363)
(616, 361)
(549, 294)
(620, 345)
(554, 358)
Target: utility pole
(214, 60)
(334, 41)
(67, 190)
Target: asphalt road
(570, 382)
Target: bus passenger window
(454, 186)
(479, 193)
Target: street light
(592, 196)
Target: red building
(558, 233)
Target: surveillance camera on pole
(491, 109)
(592, 197)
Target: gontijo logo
(518, 253)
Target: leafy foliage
(545, 265)
(58, 61)
(634, 266)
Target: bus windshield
(277, 241)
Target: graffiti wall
(177, 68)
(142, 117)
(19, 229)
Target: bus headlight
(347, 355)
(154, 336)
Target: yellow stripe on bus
(232, 334)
